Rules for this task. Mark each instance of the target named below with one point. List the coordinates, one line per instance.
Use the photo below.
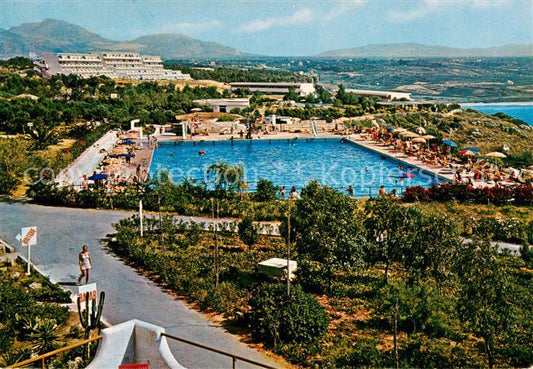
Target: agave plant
(14, 356)
(45, 335)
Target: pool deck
(412, 161)
(436, 171)
(275, 136)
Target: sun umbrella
(408, 134)
(381, 121)
(390, 128)
(418, 140)
(428, 137)
(98, 176)
(495, 154)
(474, 149)
(420, 130)
(196, 109)
(399, 130)
(467, 153)
(375, 124)
(449, 143)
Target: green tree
(487, 303)
(388, 227)
(432, 247)
(292, 95)
(327, 228)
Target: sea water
(520, 111)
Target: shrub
(278, 318)
(416, 193)
(509, 230)
(364, 354)
(517, 195)
(248, 232)
(422, 352)
(266, 190)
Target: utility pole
(160, 219)
(216, 235)
(289, 249)
(396, 358)
(216, 246)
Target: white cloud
(425, 7)
(300, 16)
(190, 26)
(341, 8)
(416, 12)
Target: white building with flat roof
(275, 88)
(118, 65)
(387, 95)
(224, 105)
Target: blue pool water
(290, 163)
(523, 112)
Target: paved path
(128, 295)
(88, 161)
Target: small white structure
(225, 105)
(131, 342)
(387, 95)
(275, 88)
(277, 267)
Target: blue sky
(293, 27)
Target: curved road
(61, 232)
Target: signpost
(28, 237)
(82, 293)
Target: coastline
(523, 103)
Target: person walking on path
(85, 262)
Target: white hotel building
(118, 65)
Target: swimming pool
(290, 162)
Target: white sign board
(28, 236)
(82, 291)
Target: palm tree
(43, 135)
(227, 177)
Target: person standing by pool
(283, 192)
(294, 194)
(382, 191)
(85, 263)
(350, 190)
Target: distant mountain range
(421, 51)
(53, 35)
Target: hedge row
(516, 195)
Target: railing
(43, 357)
(233, 357)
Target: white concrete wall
(134, 341)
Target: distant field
(456, 79)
